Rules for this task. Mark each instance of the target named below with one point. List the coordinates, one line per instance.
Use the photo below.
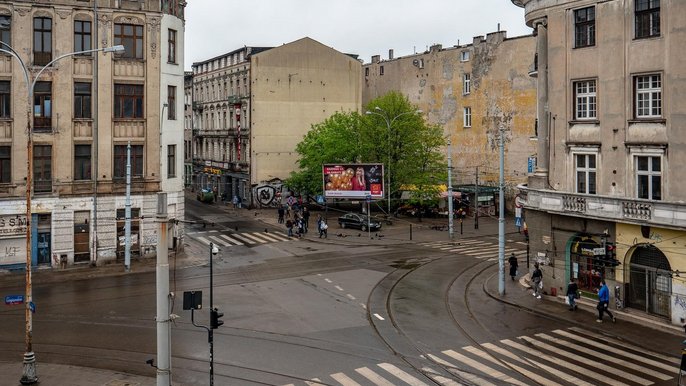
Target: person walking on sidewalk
(281, 212)
(306, 218)
(572, 294)
(603, 302)
(537, 280)
(289, 226)
(513, 266)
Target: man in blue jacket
(603, 301)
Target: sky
(362, 27)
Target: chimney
(435, 47)
(376, 58)
(390, 54)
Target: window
(648, 90)
(120, 161)
(171, 161)
(584, 27)
(380, 70)
(649, 177)
(467, 117)
(171, 40)
(464, 56)
(171, 102)
(82, 162)
(585, 173)
(585, 100)
(131, 37)
(42, 40)
(128, 101)
(5, 29)
(647, 18)
(5, 98)
(82, 35)
(42, 168)
(42, 107)
(466, 84)
(82, 100)
(5, 164)
(366, 71)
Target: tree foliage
(391, 132)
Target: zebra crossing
(555, 358)
(234, 239)
(476, 248)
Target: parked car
(358, 221)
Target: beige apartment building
(252, 106)
(611, 138)
(86, 109)
(472, 91)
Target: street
(341, 311)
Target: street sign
(290, 200)
(32, 307)
(518, 221)
(368, 198)
(321, 200)
(14, 299)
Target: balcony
(618, 209)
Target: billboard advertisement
(355, 181)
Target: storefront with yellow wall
(653, 270)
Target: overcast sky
(363, 27)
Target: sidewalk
(67, 375)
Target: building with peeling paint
(471, 91)
(605, 201)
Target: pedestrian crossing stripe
(233, 239)
(552, 359)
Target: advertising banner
(353, 181)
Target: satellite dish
(415, 62)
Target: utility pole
(450, 193)
(476, 200)
(164, 298)
(127, 212)
(501, 217)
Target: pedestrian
(289, 226)
(301, 230)
(215, 192)
(323, 229)
(513, 266)
(281, 212)
(319, 225)
(306, 218)
(235, 201)
(537, 280)
(603, 302)
(572, 294)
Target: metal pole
(476, 200)
(163, 297)
(501, 218)
(388, 124)
(450, 193)
(211, 330)
(369, 221)
(96, 152)
(127, 212)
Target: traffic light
(214, 318)
(611, 255)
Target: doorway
(650, 283)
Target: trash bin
(553, 291)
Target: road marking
(248, 235)
(604, 357)
(338, 287)
(527, 373)
(235, 242)
(379, 317)
(589, 362)
(564, 363)
(204, 240)
(373, 377)
(481, 367)
(328, 280)
(344, 379)
(219, 241)
(263, 237)
(241, 237)
(351, 297)
(363, 305)
(405, 377)
(462, 374)
(507, 250)
(316, 382)
(593, 343)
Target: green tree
(391, 132)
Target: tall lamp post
(389, 123)
(29, 372)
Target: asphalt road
(305, 312)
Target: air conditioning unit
(419, 63)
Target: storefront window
(586, 264)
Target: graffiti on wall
(269, 194)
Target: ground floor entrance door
(650, 284)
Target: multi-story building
(472, 91)
(87, 108)
(252, 106)
(611, 136)
(188, 128)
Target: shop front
(586, 255)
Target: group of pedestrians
(572, 293)
(296, 220)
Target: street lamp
(29, 372)
(389, 122)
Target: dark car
(205, 195)
(358, 221)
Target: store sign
(209, 170)
(13, 225)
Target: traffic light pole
(211, 330)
